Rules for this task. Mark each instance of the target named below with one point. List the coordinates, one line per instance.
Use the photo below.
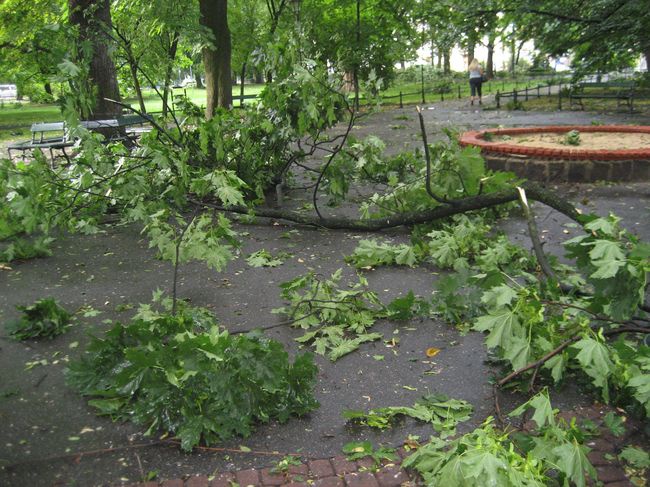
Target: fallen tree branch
(462, 205)
(559, 349)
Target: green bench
(43, 137)
(621, 91)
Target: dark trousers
(475, 86)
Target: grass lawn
(17, 118)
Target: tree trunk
(356, 67)
(48, 88)
(513, 56)
(439, 60)
(133, 68)
(197, 78)
(216, 57)
(447, 61)
(171, 55)
(471, 47)
(93, 19)
(241, 87)
(489, 68)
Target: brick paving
(340, 472)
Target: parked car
(8, 91)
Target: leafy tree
(601, 35)
(32, 43)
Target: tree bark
(197, 78)
(447, 61)
(93, 19)
(489, 68)
(216, 57)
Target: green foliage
(462, 243)
(442, 412)
(488, 456)
(572, 137)
(371, 253)
(263, 258)
(286, 463)
(182, 375)
(636, 457)
(199, 239)
(356, 450)
(615, 263)
(43, 319)
(456, 172)
(338, 319)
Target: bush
(184, 376)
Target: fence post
(442, 94)
(459, 92)
(422, 82)
(498, 98)
(514, 98)
(526, 92)
(401, 104)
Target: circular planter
(566, 164)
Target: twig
(534, 236)
(327, 164)
(427, 157)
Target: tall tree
(32, 43)
(216, 55)
(92, 18)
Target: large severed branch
(462, 205)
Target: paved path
(114, 270)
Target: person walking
(475, 81)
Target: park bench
(42, 138)
(621, 91)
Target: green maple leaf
(594, 358)
(543, 414)
(572, 461)
(485, 466)
(405, 256)
(502, 325)
(608, 257)
(518, 352)
(641, 386)
(607, 226)
(499, 296)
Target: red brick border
(572, 165)
(340, 472)
(475, 138)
